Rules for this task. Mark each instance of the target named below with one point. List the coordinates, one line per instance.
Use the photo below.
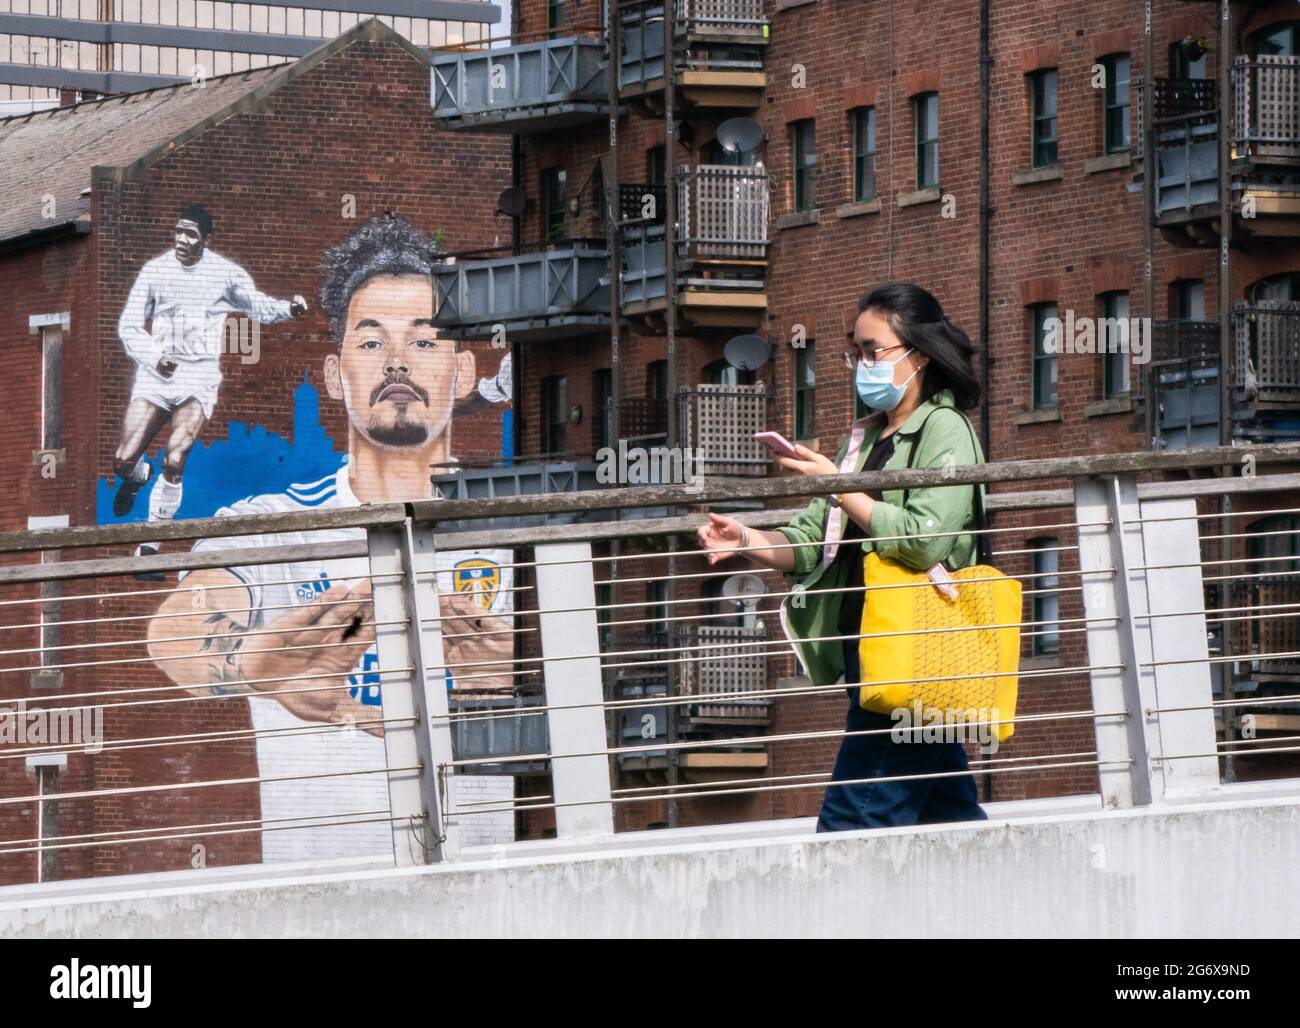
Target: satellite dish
(743, 587)
(511, 201)
(740, 135)
(748, 353)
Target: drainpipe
(985, 272)
(516, 147)
(1148, 214)
(1225, 351)
(986, 212)
(613, 238)
(670, 315)
(516, 247)
(1225, 224)
(613, 242)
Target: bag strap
(983, 551)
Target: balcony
(1184, 127)
(732, 660)
(1266, 91)
(1268, 352)
(718, 422)
(639, 724)
(641, 203)
(717, 56)
(520, 480)
(1265, 145)
(1259, 638)
(500, 727)
(532, 87)
(1185, 364)
(715, 660)
(1183, 340)
(642, 421)
(1185, 376)
(721, 249)
(559, 293)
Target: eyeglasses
(852, 358)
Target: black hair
(198, 214)
(383, 245)
(919, 321)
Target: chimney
(67, 96)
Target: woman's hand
(809, 462)
(858, 506)
(720, 538)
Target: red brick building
(871, 168)
(289, 161)
(874, 170)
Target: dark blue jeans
(889, 804)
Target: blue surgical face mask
(875, 384)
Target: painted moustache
(399, 389)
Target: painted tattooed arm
(202, 638)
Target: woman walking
(912, 368)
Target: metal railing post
(406, 592)
(1177, 695)
(1107, 548)
(570, 642)
(1144, 617)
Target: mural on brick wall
(174, 328)
(289, 635)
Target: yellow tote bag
(959, 657)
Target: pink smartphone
(777, 443)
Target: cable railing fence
(370, 684)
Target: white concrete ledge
(1195, 870)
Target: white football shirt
(275, 589)
(187, 308)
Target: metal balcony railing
(642, 420)
(722, 216)
(1274, 641)
(1178, 104)
(1187, 163)
(711, 35)
(1184, 370)
(1181, 340)
(1266, 94)
(540, 479)
(1268, 350)
(642, 203)
(1185, 127)
(548, 294)
(531, 87)
(718, 423)
(734, 666)
(237, 720)
(504, 728)
(722, 211)
(644, 265)
(740, 18)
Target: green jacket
(813, 613)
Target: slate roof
(52, 152)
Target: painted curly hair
(383, 245)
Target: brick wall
(276, 177)
(1066, 239)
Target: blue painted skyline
(250, 461)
